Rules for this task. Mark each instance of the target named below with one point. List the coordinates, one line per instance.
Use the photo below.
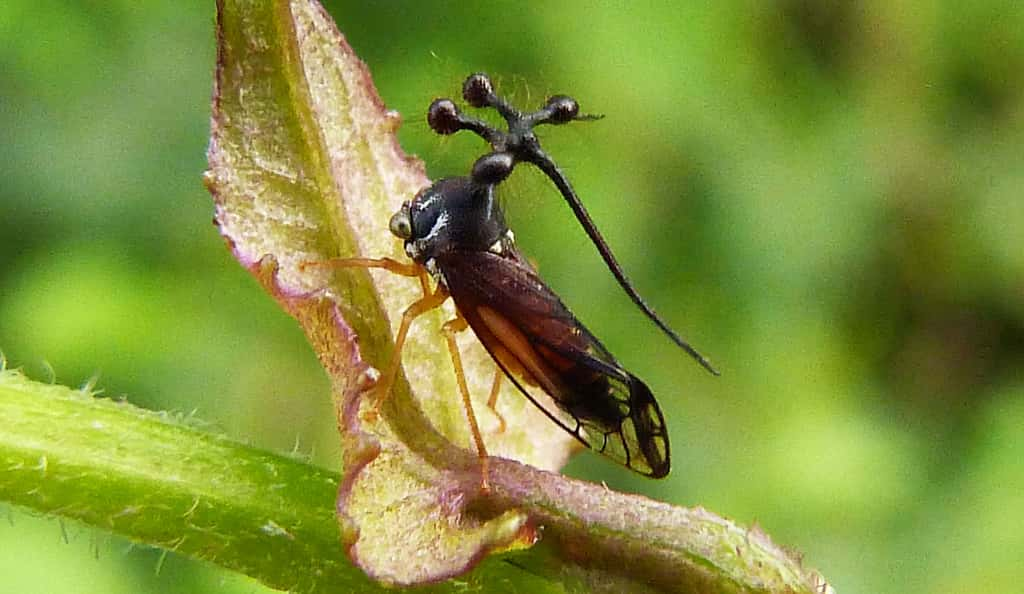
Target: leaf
(304, 166)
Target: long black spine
(547, 165)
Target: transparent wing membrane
(556, 362)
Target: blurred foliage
(825, 197)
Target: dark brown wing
(540, 345)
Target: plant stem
(156, 479)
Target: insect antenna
(520, 144)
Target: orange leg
(458, 324)
(418, 308)
(492, 400)
(429, 301)
(389, 264)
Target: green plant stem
(156, 479)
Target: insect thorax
(454, 214)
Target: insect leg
(389, 264)
(418, 308)
(458, 324)
(429, 301)
(492, 400)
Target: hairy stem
(156, 479)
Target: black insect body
(455, 231)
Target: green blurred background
(824, 197)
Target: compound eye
(401, 224)
(563, 109)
